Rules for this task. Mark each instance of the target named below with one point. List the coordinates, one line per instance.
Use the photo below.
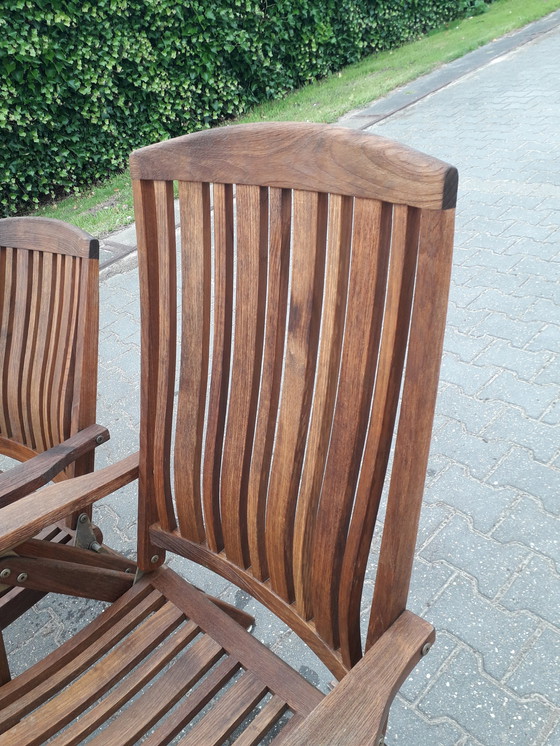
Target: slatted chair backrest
(315, 261)
(49, 274)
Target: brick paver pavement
(488, 559)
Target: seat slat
(193, 704)
(87, 723)
(194, 200)
(307, 267)
(252, 654)
(250, 295)
(226, 714)
(368, 275)
(280, 202)
(100, 677)
(39, 682)
(271, 712)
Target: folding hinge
(85, 537)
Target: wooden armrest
(24, 478)
(356, 710)
(23, 519)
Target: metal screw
(5, 573)
(83, 518)
(95, 546)
(426, 649)
(154, 559)
(381, 741)
(22, 577)
(99, 440)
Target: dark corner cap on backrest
(450, 187)
(305, 156)
(47, 234)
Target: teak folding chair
(315, 267)
(49, 319)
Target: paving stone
(426, 582)
(472, 412)
(513, 426)
(480, 706)
(407, 726)
(463, 346)
(521, 471)
(529, 524)
(480, 624)
(536, 589)
(479, 454)
(538, 672)
(508, 388)
(484, 503)
(552, 414)
(547, 338)
(551, 372)
(492, 299)
(489, 562)
(471, 378)
(524, 363)
(518, 333)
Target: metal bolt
(5, 573)
(99, 440)
(22, 577)
(381, 741)
(426, 649)
(155, 559)
(83, 518)
(95, 546)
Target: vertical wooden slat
(275, 326)
(7, 271)
(31, 426)
(364, 314)
(250, 287)
(50, 352)
(415, 421)
(85, 374)
(400, 285)
(221, 354)
(18, 344)
(156, 261)
(332, 327)
(59, 414)
(44, 331)
(195, 340)
(307, 269)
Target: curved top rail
(303, 156)
(47, 234)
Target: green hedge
(84, 83)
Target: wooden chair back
(49, 274)
(315, 266)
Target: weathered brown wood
(66, 553)
(355, 712)
(29, 476)
(71, 578)
(23, 519)
(46, 234)
(310, 156)
(315, 266)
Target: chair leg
(4, 666)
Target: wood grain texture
(355, 712)
(23, 519)
(305, 156)
(300, 248)
(47, 234)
